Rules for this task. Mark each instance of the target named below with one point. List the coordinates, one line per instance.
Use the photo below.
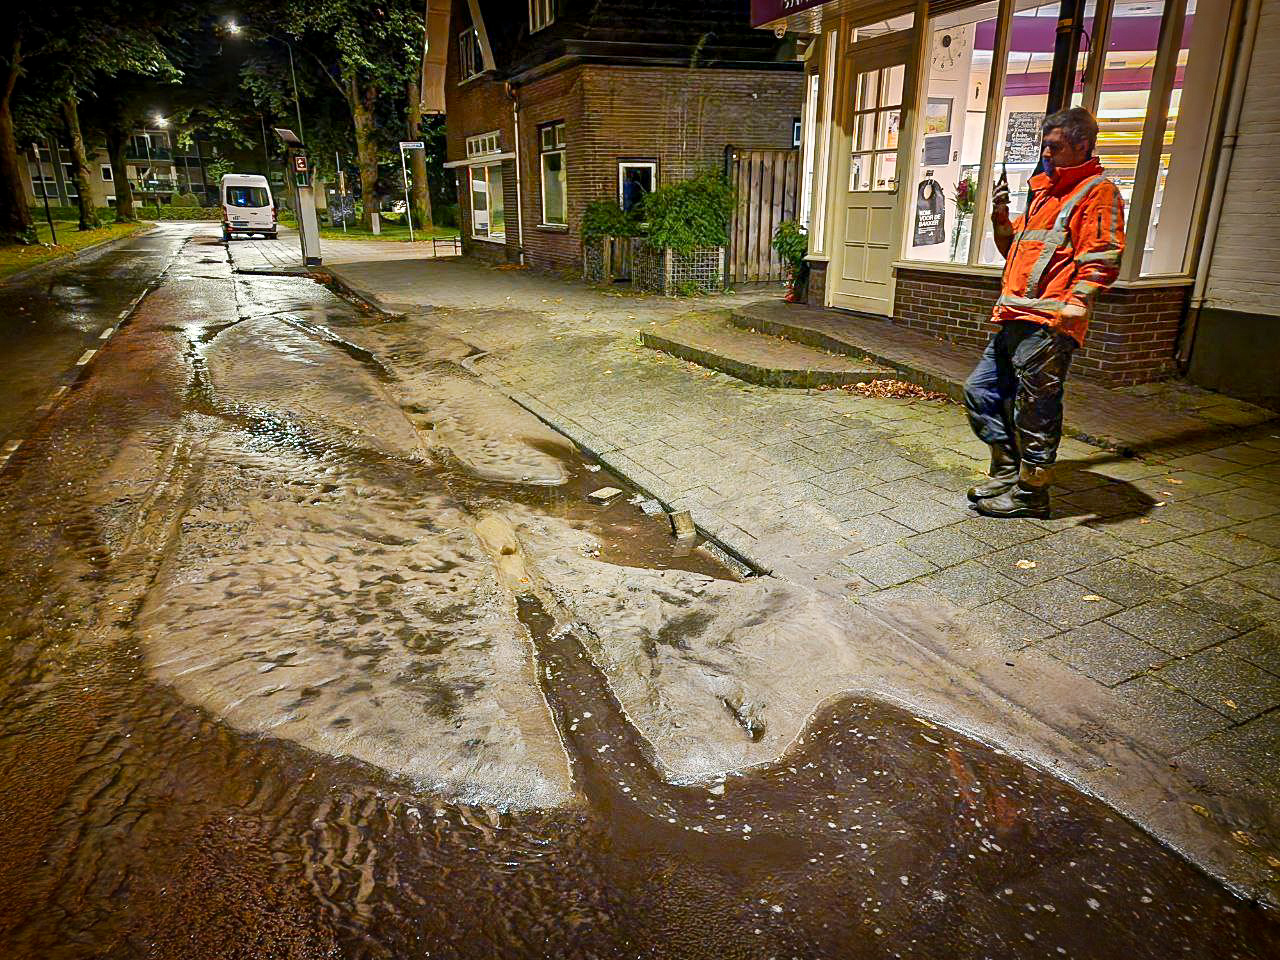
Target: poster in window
(1022, 137)
(930, 211)
(937, 116)
(937, 150)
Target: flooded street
(313, 645)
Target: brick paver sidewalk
(1158, 579)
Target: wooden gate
(767, 184)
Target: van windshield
(247, 197)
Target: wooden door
(878, 87)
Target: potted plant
(686, 232)
(792, 243)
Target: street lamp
(235, 30)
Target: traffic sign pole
(408, 207)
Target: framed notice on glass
(1022, 137)
(937, 116)
(937, 150)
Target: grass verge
(15, 256)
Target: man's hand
(1001, 228)
(1073, 311)
(1000, 202)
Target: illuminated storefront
(914, 109)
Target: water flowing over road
(314, 646)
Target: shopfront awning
(434, 55)
(767, 12)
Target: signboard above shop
(767, 11)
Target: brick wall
(683, 119)
(476, 106)
(1131, 338)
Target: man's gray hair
(1077, 126)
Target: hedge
(180, 213)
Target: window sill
(553, 227)
(1172, 280)
(497, 241)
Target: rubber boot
(1003, 474)
(1029, 497)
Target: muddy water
(287, 672)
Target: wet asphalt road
(51, 319)
(266, 623)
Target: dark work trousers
(1014, 395)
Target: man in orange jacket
(1059, 255)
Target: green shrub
(185, 200)
(604, 218)
(792, 243)
(446, 215)
(181, 213)
(690, 214)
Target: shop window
(551, 145)
(1186, 143)
(488, 218)
(951, 122)
(636, 180)
(877, 112)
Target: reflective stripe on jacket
(1066, 248)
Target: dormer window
(542, 13)
(470, 60)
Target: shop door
(877, 89)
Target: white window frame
(489, 236)
(470, 58)
(542, 13)
(104, 170)
(623, 165)
(551, 141)
(483, 144)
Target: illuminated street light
(235, 29)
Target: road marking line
(11, 446)
(85, 357)
(106, 334)
(123, 313)
(59, 392)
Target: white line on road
(123, 313)
(59, 392)
(106, 334)
(85, 357)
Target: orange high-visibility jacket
(1066, 248)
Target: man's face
(1059, 152)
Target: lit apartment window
(551, 150)
(470, 60)
(488, 218)
(542, 13)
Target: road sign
(412, 145)
(300, 163)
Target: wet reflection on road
(275, 671)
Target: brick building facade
(606, 84)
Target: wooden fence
(767, 183)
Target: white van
(247, 206)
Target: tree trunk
(16, 225)
(362, 102)
(80, 162)
(420, 195)
(117, 141)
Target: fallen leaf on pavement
(1242, 838)
(1200, 810)
(1091, 597)
(1025, 564)
(1159, 503)
(1144, 519)
(1230, 703)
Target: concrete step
(1095, 414)
(712, 341)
